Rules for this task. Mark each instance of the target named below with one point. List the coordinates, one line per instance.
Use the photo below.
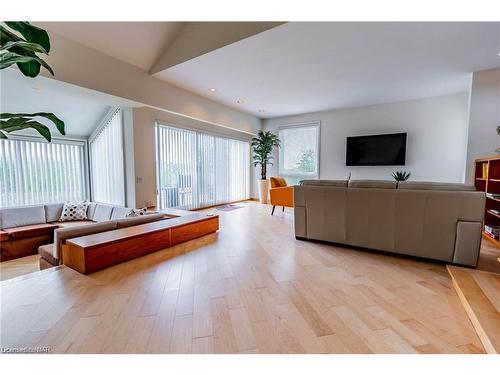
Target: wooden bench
(94, 252)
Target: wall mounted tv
(381, 149)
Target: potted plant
(263, 145)
(20, 43)
(401, 175)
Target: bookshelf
(487, 179)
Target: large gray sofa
(439, 221)
(31, 229)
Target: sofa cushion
(30, 231)
(74, 211)
(373, 184)
(102, 212)
(62, 234)
(277, 182)
(45, 251)
(4, 236)
(120, 212)
(20, 216)
(76, 223)
(335, 183)
(424, 185)
(91, 210)
(128, 222)
(53, 211)
(134, 212)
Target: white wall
(436, 144)
(484, 117)
(144, 120)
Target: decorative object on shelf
(487, 179)
(262, 146)
(401, 175)
(20, 42)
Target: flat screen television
(381, 149)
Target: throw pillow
(137, 212)
(74, 211)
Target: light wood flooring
(479, 292)
(251, 288)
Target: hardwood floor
(18, 267)
(479, 292)
(251, 288)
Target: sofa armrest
(467, 243)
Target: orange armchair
(281, 194)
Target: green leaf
(7, 36)
(33, 47)
(50, 116)
(32, 33)
(2, 135)
(29, 65)
(42, 129)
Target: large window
(106, 156)
(33, 171)
(198, 170)
(299, 152)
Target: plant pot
(263, 191)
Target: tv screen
(382, 149)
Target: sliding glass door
(198, 170)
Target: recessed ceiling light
(498, 53)
(212, 89)
(240, 101)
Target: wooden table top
(137, 230)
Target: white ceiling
(81, 109)
(307, 67)
(138, 43)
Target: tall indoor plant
(20, 43)
(263, 145)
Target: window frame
(308, 124)
(65, 141)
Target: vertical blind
(33, 172)
(198, 170)
(107, 168)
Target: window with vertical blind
(195, 169)
(299, 152)
(33, 171)
(106, 160)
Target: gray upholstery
(374, 184)
(62, 234)
(423, 185)
(119, 212)
(434, 224)
(130, 221)
(20, 216)
(467, 239)
(339, 183)
(91, 210)
(53, 212)
(102, 212)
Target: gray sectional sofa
(439, 221)
(31, 229)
